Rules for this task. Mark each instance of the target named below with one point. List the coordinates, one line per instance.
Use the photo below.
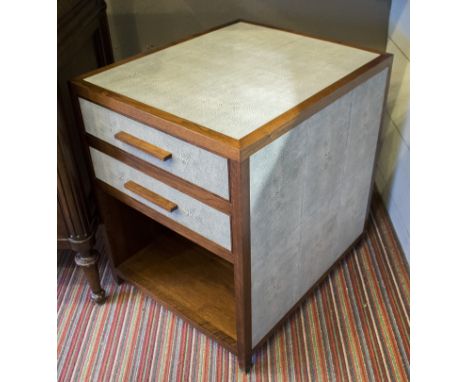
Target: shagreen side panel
(308, 198)
(189, 162)
(203, 219)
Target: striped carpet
(355, 327)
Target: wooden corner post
(240, 227)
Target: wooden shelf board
(190, 281)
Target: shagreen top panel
(235, 79)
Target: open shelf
(189, 280)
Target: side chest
(233, 170)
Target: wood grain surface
(189, 280)
(151, 196)
(144, 146)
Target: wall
(137, 25)
(393, 169)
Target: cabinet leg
(86, 258)
(245, 362)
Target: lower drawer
(187, 211)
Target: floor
(354, 327)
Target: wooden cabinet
(83, 45)
(233, 170)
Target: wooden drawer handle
(150, 196)
(143, 146)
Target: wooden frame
(237, 151)
(239, 184)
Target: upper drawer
(187, 161)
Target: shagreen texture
(208, 222)
(235, 79)
(308, 198)
(189, 162)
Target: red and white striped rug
(355, 327)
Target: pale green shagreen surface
(308, 199)
(235, 79)
(190, 212)
(192, 163)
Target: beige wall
(393, 170)
(137, 25)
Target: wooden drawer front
(191, 213)
(187, 161)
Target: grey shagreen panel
(308, 198)
(191, 213)
(189, 162)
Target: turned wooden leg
(86, 258)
